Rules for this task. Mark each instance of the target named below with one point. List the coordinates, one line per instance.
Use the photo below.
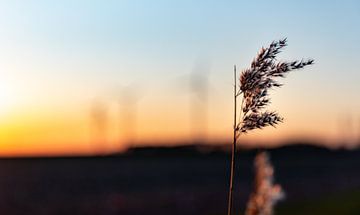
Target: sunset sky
(74, 73)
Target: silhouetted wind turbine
(199, 86)
(128, 109)
(346, 127)
(99, 118)
(196, 85)
(358, 135)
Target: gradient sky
(58, 59)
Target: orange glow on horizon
(49, 133)
(60, 125)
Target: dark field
(177, 181)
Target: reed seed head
(256, 81)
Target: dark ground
(177, 181)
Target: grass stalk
(233, 152)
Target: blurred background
(125, 107)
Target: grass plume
(254, 85)
(266, 193)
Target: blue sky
(86, 49)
